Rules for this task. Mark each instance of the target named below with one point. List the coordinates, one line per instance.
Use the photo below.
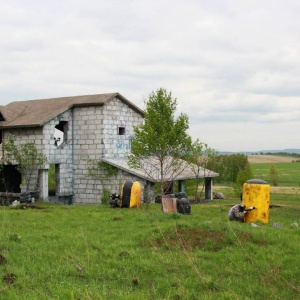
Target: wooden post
(169, 205)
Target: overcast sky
(234, 66)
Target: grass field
(289, 173)
(49, 251)
(96, 252)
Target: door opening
(53, 180)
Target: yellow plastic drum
(131, 194)
(256, 193)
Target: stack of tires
(25, 197)
(183, 203)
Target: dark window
(121, 130)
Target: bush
(105, 196)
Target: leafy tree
(199, 155)
(228, 166)
(242, 177)
(161, 141)
(28, 159)
(274, 175)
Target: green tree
(28, 159)
(274, 175)
(161, 141)
(242, 176)
(228, 166)
(199, 156)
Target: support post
(208, 189)
(149, 192)
(181, 186)
(44, 185)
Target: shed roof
(184, 173)
(35, 113)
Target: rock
(276, 225)
(219, 196)
(294, 224)
(254, 225)
(79, 268)
(15, 203)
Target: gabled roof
(184, 173)
(35, 113)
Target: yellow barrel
(256, 193)
(131, 194)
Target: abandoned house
(75, 134)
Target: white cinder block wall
(96, 135)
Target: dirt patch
(2, 259)
(264, 159)
(9, 278)
(28, 205)
(285, 190)
(206, 239)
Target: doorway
(11, 179)
(53, 179)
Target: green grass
(289, 173)
(96, 252)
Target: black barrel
(183, 206)
(25, 197)
(126, 194)
(180, 195)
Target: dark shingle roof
(35, 113)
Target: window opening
(121, 130)
(60, 133)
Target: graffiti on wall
(116, 138)
(121, 142)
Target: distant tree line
(294, 154)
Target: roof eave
(20, 126)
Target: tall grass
(96, 252)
